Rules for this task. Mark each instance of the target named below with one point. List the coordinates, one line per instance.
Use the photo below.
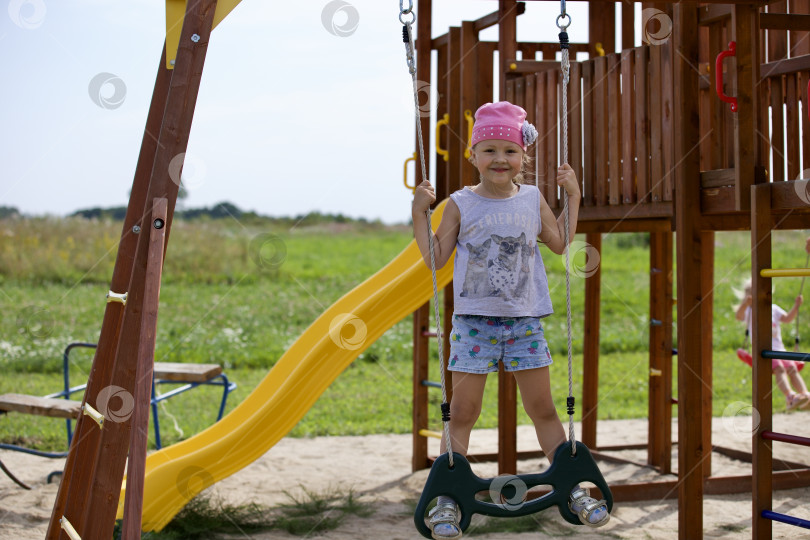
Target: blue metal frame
(784, 518)
(227, 388)
(786, 355)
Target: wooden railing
(620, 130)
(785, 73)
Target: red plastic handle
(718, 71)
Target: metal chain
(409, 46)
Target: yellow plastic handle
(439, 150)
(470, 120)
(405, 174)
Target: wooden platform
(64, 408)
(41, 406)
(180, 372)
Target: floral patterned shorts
(478, 343)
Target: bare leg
(465, 407)
(796, 380)
(535, 390)
(781, 379)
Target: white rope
(565, 65)
(798, 312)
(409, 51)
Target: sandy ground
(377, 468)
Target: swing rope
(796, 338)
(563, 22)
(565, 65)
(407, 38)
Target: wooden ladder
(116, 403)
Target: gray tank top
(498, 268)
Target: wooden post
(92, 498)
(628, 25)
(469, 97)
(507, 422)
(87, 435)
(590, 352)
(507, 387)
(139, 434)
(762, 457)
(745, 24)
(689, 268)
(507, 39)
(421, 324)
(707, 317)
(421, 317)
(659, 429)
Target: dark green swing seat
(461, 483)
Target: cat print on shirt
(476, 279)
(526, 256)
(505, 268)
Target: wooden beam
(624, 212)
(710, 14)
(659, 428)
(507, 422)
(86, 435)
(793, 195)
(761, 493)
(746, 119)
(689, 268)
(139, 434)
(494, 18)
(94, 516)
(590, 352)
(507, 39)
(628, 25)
(784, 21)
(717, 178)
(507, 387)
(628, 225)
(420, 414)
(41, 406)
(707, 318)
(531, 66)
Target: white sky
(290, 117)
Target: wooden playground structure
(659, 147)
(657, 151)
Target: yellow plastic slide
(174, 475)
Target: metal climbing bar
(784, 272)
(786, 438)
(786, 355)
(784, 518)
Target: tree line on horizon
(218, 211)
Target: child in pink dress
(786, 372)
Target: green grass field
(240, 293)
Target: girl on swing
(500, 288)
(785, 372)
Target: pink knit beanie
(503, 121)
